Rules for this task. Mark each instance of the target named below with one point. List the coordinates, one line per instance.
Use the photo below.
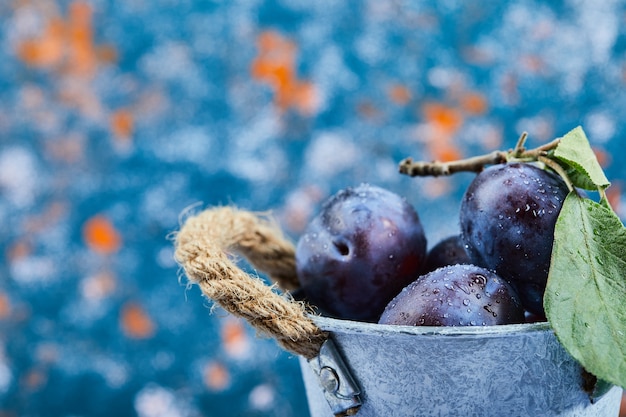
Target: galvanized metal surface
(514, 370)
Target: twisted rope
(204, 247)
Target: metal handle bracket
(336, 381)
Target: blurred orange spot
(509, 88)
(474, 103)
(18, 250)
(234, 338)
(153, 103)
(51, 215)
(34, 378)
(492, 139)
(106, 53)
(135, 322)
(368, 110)
(444, 152)
(101, 236)
(271, 42)
(67, 44)
(82, 96)
(275, 65)
(533, 63)
(443, 122)
(47, 352)
(5, 306)
(122, 123)
(300, 206)
(68, 149)
(305, 97)
(46, 51)
(445, 119)
(399, 94)
(82, 52)
(216, 376)
(477, 56)
(436, 187)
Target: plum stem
(550, 163)
(519, 146)
(436, 168)
(477, 163)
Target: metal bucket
(510, 370)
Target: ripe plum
(507, 218)
(365, 245)
(448, 251)
(455, 295)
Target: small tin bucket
(508, 370)
(366, 369)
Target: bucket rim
(333, 325)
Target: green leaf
(582, 166)
(585, 298)
(579, 178)
(600, 388)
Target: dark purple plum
(531, 295)
(508, 214)
(448, 251)
(365, 245)
(455, 295)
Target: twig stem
(476, 163)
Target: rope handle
(204, 247)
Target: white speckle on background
(6, 377)
(18, 176)
(255, 155)
(332, 75)
(330, 153)
(441, 77)
(192, 144)
(173, 61)
(600, 127)
(33, 269)
(115, 373)
(165, 257)
(371, 45)
(599, 22)
(156, 401)
(262, 397)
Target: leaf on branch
(582, 166)
(584, 298)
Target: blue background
(116, 117)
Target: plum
(508, 214)
(455, 295)
(365, 245)
(448, 251)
